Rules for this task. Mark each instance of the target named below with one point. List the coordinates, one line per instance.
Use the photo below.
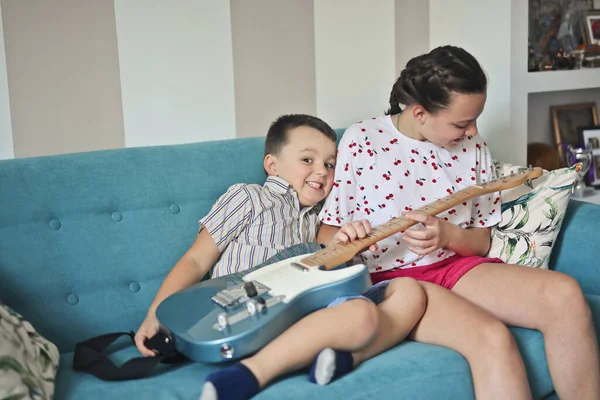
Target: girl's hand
(352, 231)
(148, 329)
(424, 241)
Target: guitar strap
(91, 357)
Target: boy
(249, 224)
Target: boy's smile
(307, 162)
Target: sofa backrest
(574, 250)
(86, 239)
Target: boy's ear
(270, 164)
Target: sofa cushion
(410, 371)
(532, 216)
(28, 361)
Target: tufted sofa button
(54, 224)
(72, 299)
(116, 216)
(174, 208)
(134, 287)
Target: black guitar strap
(91, 357)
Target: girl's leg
(552, 303)
(403, 306)
(487, 344)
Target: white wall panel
(6, 140)
(176, 71)
(484, 29)
(355, 59)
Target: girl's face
(447, 127)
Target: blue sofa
(86, 239)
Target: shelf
(551, 81)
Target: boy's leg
(552, 303)
(485, 341)
(400, 304)
(348, 326)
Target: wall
(462, 22)
(273, 62)
(540, 128)
(115, 73)
(61, 62)
(6, 139)
(176, 70)
(411, 31)
(355, 59)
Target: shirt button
(134, 287)
(174, 208)
(116, 216)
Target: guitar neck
(337, 254)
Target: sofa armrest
(577, 248)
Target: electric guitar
(231, 317)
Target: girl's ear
(270, 164)
(420, 114)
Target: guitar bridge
(234, 296)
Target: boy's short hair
(277, 136)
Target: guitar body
(217, 320)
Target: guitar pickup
(236, 295)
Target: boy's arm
(191, 268)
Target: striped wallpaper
(80, 75)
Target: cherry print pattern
(381, 174)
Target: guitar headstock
(510, 181)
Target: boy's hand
(352, 231)
(424, 241)
(148, 329)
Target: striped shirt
(251, 223)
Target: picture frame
(591, 26)
(566, 119)
(590, 137)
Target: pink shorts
(444, 273)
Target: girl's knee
(409, 292)
(565, 299)
(496, 335)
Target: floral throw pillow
(532, 215)
(28, 361)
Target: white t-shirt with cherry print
(380, 173)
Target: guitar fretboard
(336, 254)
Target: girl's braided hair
(430, 79)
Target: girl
(393, 164)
